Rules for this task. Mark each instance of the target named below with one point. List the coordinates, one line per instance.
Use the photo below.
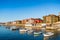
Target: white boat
(36, 33)
(22, 31)
(13, 28)
(30, 31)
(48, 34)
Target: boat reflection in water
(7, 27)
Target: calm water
(6, 34)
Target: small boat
(22, 31)
(48, 34)
(37, 33)
(30, 31)
(13, 28)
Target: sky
(11, 10)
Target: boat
(30, 31)
(13, 28)
(22, 31)
(37, 33)
(47, 34)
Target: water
(6, 34)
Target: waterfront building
(32, 20)
(18, 22)
(14, 22)
(50, 19)
(2, 23)
(57, 24)
(8, 23)
(59, 16)
(24, 21)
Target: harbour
(8, 34)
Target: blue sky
(11, 10)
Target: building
(59, 16)
(32, 20)
(14, 22)
(50, 19)
(24, 21)
(18, 22)
(8, 23)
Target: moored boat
(48, 34)
(30, 31)
(13, 28)
(22, 31)
(37, 33)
